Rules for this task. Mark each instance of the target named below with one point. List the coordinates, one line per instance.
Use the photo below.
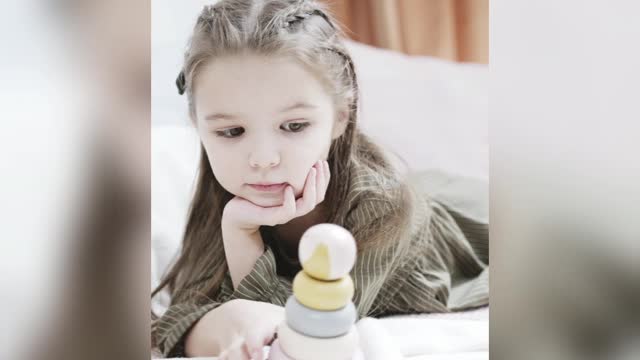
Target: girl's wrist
(230, 223)
(241, 236)
(242, 249)
(231, 226)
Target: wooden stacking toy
(320, 315)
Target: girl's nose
(264, 158)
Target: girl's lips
(268, 188)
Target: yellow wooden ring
(322, 295)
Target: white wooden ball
(327, 251)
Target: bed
(454, 336)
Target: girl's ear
(340, 125)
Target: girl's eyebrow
(224, 116)
(298, 105)
(220, 116)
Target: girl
(273, 95)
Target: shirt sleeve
(169, 330)
(445, 275)
(263, 282)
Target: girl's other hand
(243, 214)
(239, 328)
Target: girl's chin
(265, 201)
(268, 199)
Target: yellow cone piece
(318, 265)
(322, 295)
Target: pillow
(432, 113)
(465, 195)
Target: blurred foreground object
(565, 180)
(76, 117)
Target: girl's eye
(294, 126)
(230, 133)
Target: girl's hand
(240, 328)
(243, 214)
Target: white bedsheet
(455, 336)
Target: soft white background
(171, 24)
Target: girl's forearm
(242, 249)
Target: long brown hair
(305, 31)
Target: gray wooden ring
(318, 323)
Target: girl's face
(263, 121)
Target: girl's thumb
(254, 345)
(257, 355)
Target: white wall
(171, 25)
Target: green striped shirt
(440, 264)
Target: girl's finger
(254, 345)
(288, 209)
(262, 214)
(253, 354)
(305, 190)
(245, 352)
(327, 178)
(327, 172)
(234, 350)
(320, 181)
(238, 352)
(308, 200)
(278, 215)
(224, 355)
